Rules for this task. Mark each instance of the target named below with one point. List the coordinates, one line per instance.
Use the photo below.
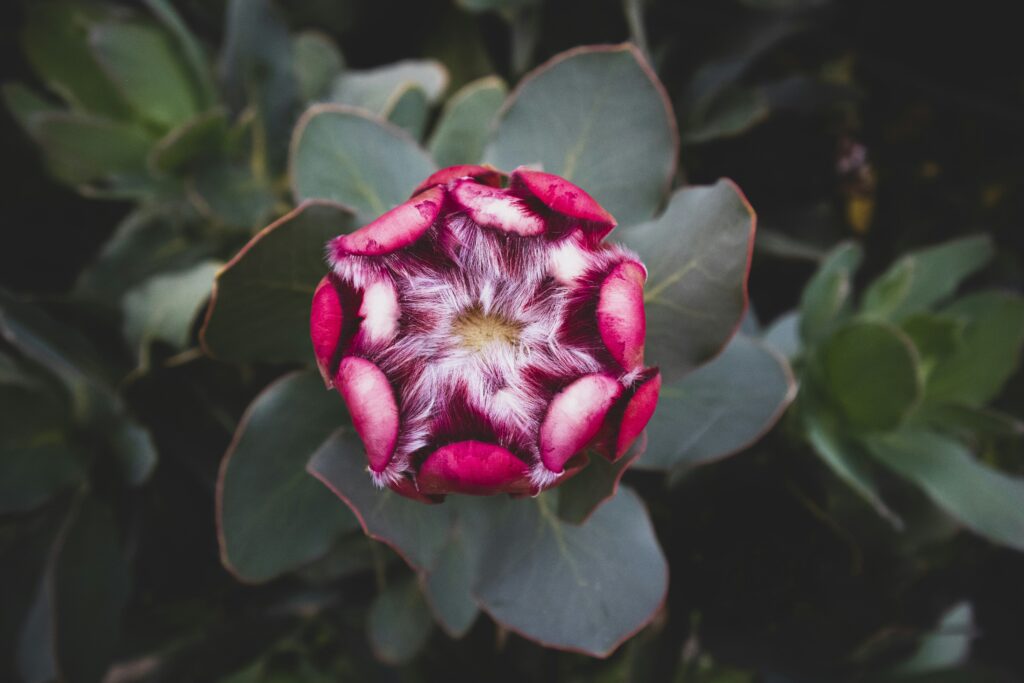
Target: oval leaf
(273, 517)
(719, 408)
(582, 588)
(698, 256)
(595, 116)
(260, 304)
(989, 352)
(143, 62)
(416, 531)
(341, 154)
(871, 372)
(465, 125)
(165, 307)
(828, 295)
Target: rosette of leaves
(578, 568)
(896, 388)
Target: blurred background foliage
(147, 142)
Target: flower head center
(477, 330)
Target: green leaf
(448, 586)
(986, 501)
(583, 588)
(272, 516)
(734, 112)
(90, 586)
(201, 138)
(989, 354)
(921, 279)
(143, 62)
(418, 532)
(165, 307)
(828, 296)
(399, 623)
(697, 255)
(24, 103)
(847, 460)
(82, 149)
(260, 304)
(343, 155)
(466, 120)
(968, 422)
(133, 450)
(934, 336)
(374, 89)
(55, 40)
(36, 460)
(153, 239)
(870, 370)
(720, 408)
(231, 195)
(63, 351)
(317, 63)
(594, 116)
(408, 110)
(189, 47)
(945, 647)
(257, 69)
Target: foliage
(164, 406)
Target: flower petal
(472, 467)
(325, 319)
(485, 175)
(564, 198)
(399, 227)
(371, 402)
(574, 417)
(638, 413)
(620, 314)
(495, 208)
(379, 312)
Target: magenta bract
(484, 336)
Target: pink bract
(483, 335)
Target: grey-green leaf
(596, 116)
(341, 154)
(418, 532)
(272, 516)
(985, 500)
(372, 89)
(697, 255)
(583, 588)
(921, 279)
(165, 306)
(260, 306)
(466, 121)
(719, 408)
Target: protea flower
(483, 336)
